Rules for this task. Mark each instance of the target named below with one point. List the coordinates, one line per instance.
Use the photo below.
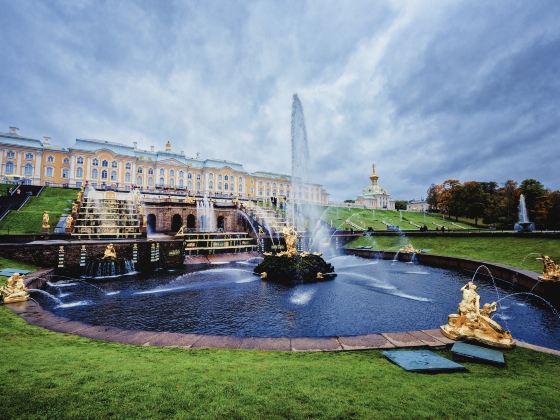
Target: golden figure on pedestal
(472, 323)
(14, 290)
(551, 270)
(45, 224)
(110, 253)
(409, 249)
(181, 231)
(69, 221)
(290, 236)
(190, 200)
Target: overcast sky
(428, 90)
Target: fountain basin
(295, 269)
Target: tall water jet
(206, 215)
(524, 224)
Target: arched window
(150, 171)
(65, 172)
(198, 186)
(105, 164)
(80, 160)
(219, 177)
(198, 177)
(171, 182)
(211, 185)
(226, 178)
(140, 170)
(162, 172)
(94, 174)
(226, 186)
(128, 165)
(95, 162)
(66, 161)
(114, 164)
(189, 175)
(79, 172)
(11, 154)
(181, 183)
(29, 156)
(240, 188)
(161, 182)
(113, 175)
(139, 180)
(150, 181)
(50, 171)
(240, 180)
(50, 159)
(104, 174)
(181, 174)
(189, 185)
(127, 177)
(171, 172)
(28, 170)
(211, 175)
(9, 168)
(219, 185)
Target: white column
(72, 176)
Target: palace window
(66, 161)
(219, 177)
(114, 164)
(171, 182)
(104, 174)
(139, 170)
(105, 164)
(79, 172)
(10, 154)
(219, 185)
(240, 180)
(162, 172)
(29, 156)
(161, 182)
(65, 172)
(198, 177)
(150, 171)
(189, 176)
(226, 177)
(113, 175)
(226, 186)
(181, 183)
(127, 177)
(94, 174)
(150, 181)
(198, 186)
(50, 159)
(80, 160)
(28, 170)
(211, 175)
(181, 174)
(128, 165)
(9, 168)
(95, 162)
(171, 172)
(211, 185)
(189, 185)
(240, 188)
(139, 180)
(50, 171)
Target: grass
(510, 250)
(53, 375)
(28, 220)
(6, 263)
(345, 218)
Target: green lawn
(52, 375)
(349, 218)
(5, 263)
(28, 219)
(512, 251)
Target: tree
(432, 196)
(401, 204)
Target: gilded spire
(373, 175)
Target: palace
(374, 196)
(105, 164)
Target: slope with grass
(512, 251)
(28, 220)
(344, 218)
(6, 263)
(52, 375)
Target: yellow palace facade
(106, 164)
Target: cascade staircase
(270, 219)
(108, 215)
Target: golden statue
(181, 231)
(551, 270)
(69, 221)
(409, 249)
(261, 231)
(74, 208)
(79, 195)
(290, 236)
(320, 276)
(110, 253)
(46, 220)
(472, 323)
(263, 275)
(189, 200)
(14, 290)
